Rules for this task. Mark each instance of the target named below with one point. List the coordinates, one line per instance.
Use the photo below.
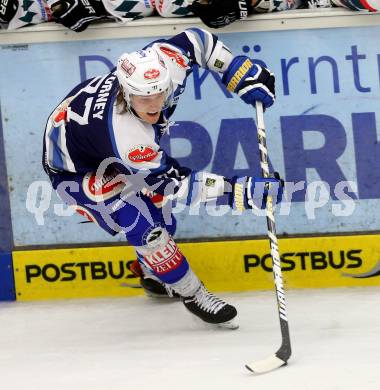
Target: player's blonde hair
(121, 104)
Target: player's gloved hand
(77, 14)
(250, 81)
(8, 10)
(220, 13)
(253, 192)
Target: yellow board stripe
(315, 262)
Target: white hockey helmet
(143, 73)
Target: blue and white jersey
(89, 125)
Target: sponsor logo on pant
(165, 259)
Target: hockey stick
(283, 354)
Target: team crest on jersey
(151, 74)
(128, 68)
(180, 60)
(142, 153)
(99, 190)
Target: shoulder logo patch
(175, 57)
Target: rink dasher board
(309, 262)
(323, 127)
(156, 26)
(7, 288)
(17, 42)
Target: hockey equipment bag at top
(8, 9)
(77, 14)
(220, 13)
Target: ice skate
(152, 286)
(211, 309)
(156, 289)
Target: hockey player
(113, 124)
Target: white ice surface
(137, 343)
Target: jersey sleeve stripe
(57, 160)
(198, 48)
(202, 41)
(111, 129)
(68, 162)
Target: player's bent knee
(161, 254)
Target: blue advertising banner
(323, 132)
(6, 241)
(7, 284)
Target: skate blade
(160, 296)
(232, 324)
(131, 285)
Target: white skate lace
(169, 290)
(207, 301)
